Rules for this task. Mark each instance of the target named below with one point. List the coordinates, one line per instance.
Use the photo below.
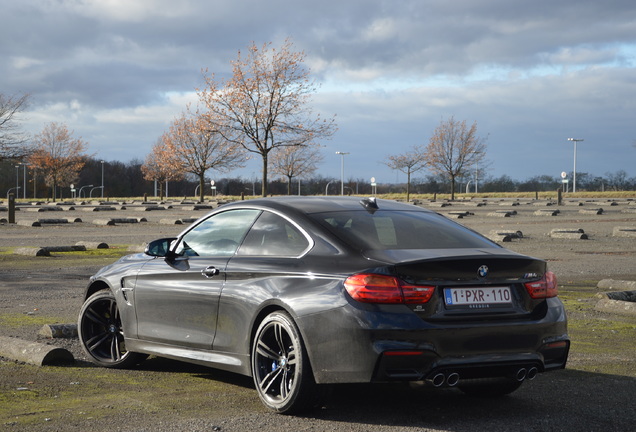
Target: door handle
(210, 271)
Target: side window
(219, 235)
(273, 235)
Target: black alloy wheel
(280, 366)
(100, 332)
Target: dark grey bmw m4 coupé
(300, 292)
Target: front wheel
(280, 365)
(100, 332)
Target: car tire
(280, 366)
(100, 333)
(490, 387)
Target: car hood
(123, 264)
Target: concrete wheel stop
(36, 353)
(620, 300)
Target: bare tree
(265, 105)
(12, 140)
(58, 156)
(160, 165)
(618, 180)
(409, 162)
(296, 162)
(198, 149)
(453, 149)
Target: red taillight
(374, 288)
(561, 344)
(417, 293)
(545, 287)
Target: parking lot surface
(170, 396)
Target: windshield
(400, 230)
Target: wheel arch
(98, 285)
(262, 314)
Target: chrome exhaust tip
(521, 374)
(438, 380)
(452, 379)
(532, 373)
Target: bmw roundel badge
(483, 271)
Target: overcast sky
(530, 73)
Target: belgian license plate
(477, 296)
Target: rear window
(400, 230)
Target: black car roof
(317, 204)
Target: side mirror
(160, 247)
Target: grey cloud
(537, 70)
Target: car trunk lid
(468, 283)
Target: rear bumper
(416, 365)
(348, 345)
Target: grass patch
(57, 395)
(17, 320)
(601, 342)
(513, 195)
(111, 252)
(91, 257)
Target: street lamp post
(24, 168)
(342, 171)
(327, 189)
(17, 181)
(476, 155)
(102, 179)
(82, 188)
(574, 140)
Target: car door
(177, 298)
(268, 264)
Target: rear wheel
(489, 387)
(100, 332)
(280, 365)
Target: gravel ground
(171, 396)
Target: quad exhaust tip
(521, 374)
(526, 374)
(451, 379)
(440, 379)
